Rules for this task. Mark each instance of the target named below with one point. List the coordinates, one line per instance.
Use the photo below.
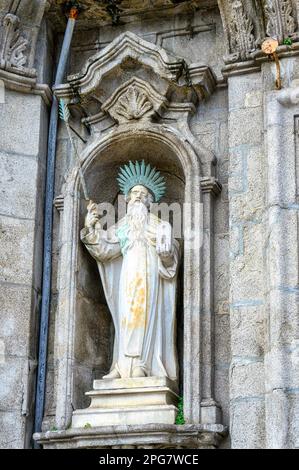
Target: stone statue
(138, 263)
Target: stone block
(293, 431)
(222, 389)
(244, 90)
(282, 250)
(283, 315)
(247, 196)
(247, 268)
(17, 250)
(129, 401)
(17, 316)
(13, 372)
(12, 430)
(246, 378)
(282, 368)
(222, 338)
(247, 424)
(221, 212)
(18, 182)
(248, 325)
(221, 279)
(15, 116)
(222, 170)
(245, 127)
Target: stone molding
(25, 84)
(258, 58)
(59, 203)
(157, 436)
(144, 95)
(210, 185)
(125, 46)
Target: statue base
(142, 400)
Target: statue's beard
(137, 218)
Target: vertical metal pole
(48, 223)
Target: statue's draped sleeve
(104, 247)
(170, 272)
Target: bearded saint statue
(138, 263)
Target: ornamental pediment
(131, 79)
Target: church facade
(206, 92)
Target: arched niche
(83, 335)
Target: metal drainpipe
(48, 223)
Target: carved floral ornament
(134, 104)
(280, 18)
(13, 45)
(134, 100)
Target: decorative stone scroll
(280, 18)
(13, 44)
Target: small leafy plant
(287, 42)
(180, 415)
(87, 426)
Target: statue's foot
(138, 372)
(114, 374)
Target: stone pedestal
(142, 400)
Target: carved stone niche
(137, 102)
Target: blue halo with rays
(138, 172)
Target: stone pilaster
(246, 188)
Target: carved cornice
(254, 65)
(25, 84)
(127, 46)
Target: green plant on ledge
(287, 42)
(180, 415)
(87, 426)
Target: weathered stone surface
(247, 418)
(15, 110)
(12, 436)
(17, 245)
(138, 436)
(244, 319)
(18, 180)
(18, 309)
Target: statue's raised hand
(92, 216)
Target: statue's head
(141, 182)
(140, 193)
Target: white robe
(141, 295)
